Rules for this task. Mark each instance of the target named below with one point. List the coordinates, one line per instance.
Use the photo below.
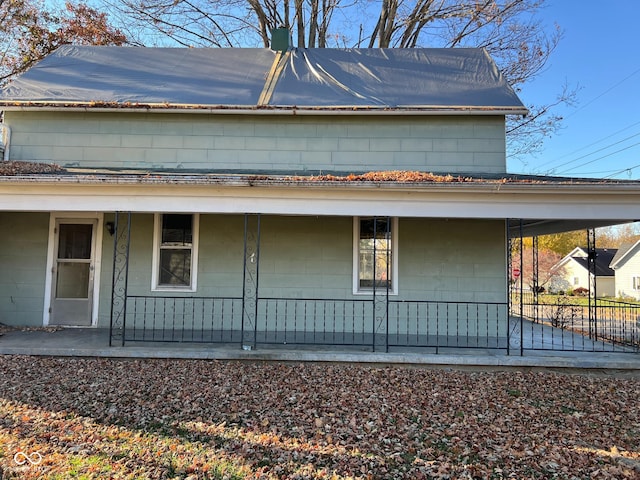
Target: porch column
(515, 325)
(120, 277)
(381, 295)
(591, 267)
(250, 280)
(535, 278)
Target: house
(321, 196)
(626, 265)
(576, 274)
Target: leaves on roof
(400, 176)
(27, 168)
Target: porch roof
(241, 80)
(535, 205)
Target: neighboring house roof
(624, 252)
(604, 256)
(383, 80)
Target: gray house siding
(300, 257)
(23, 263)
(255, 143)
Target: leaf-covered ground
(152, 419)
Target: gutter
(494, 187)
(5, 141)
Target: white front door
(73, 271)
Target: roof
(624, 250)
(424, 80)
(604, 256)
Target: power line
(622, 171)
(590, 145)
(585, 106)
(597, 151)
(600, 158)
(603, 93)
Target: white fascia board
(564, 261)
(578, 251)
(427, 201)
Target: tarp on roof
(411, 78)
(306, 78)
(194, 76)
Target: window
(636, 283)
(576, 280)
(175, 253)
(375, 254)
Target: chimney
(281, 39)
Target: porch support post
(381, 296)
(120, 277)
(514, 325)
(591, 263)
(521, 289)
(250, 281)
(535, 279)
(509, 273)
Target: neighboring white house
(576, 274)
(626, 265)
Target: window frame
(393, 288)
(635, 280)
(156, 286)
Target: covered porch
(379, 322)
(239, 309)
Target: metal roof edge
(262, 110)
(494, 186)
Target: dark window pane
(175, 267)
(177, 229)
(74, 240)
(375, 253)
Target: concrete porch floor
(79, 342)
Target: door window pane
(72, 280)
(74, 240)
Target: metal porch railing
(318, 321)
(567, 325)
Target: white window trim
(635, 282)
(155, 262)
(356, 259)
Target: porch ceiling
(544, 207)
(536, 227)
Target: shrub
(581, 291)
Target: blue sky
(600, 54)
